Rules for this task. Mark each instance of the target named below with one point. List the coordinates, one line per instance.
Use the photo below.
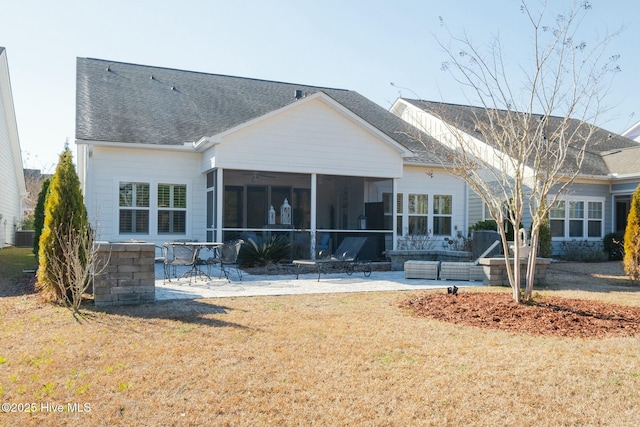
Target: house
(11, 175)
(597, 202)
(166, 154)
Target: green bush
(490, 224)
(65, 219)
(632, 239)
(613, 246)
(545, 249)
(270, 251)
(583, 251)
(38, 215)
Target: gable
(313, 136)
(465, 117)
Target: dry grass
(341, 359)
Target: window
(577, 219)
(418, 209)
(442, 215)
(172, 208)
(134, 207)
(387, 203)
(594, 225)
(556, 219)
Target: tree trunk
(531, 265)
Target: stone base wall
(495, 271)
(125, 274)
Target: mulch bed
(553, 316)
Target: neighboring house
(165, 154)
(633, 132)
(13, 188)
(597, 202)
(33, 180)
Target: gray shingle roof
(128, 103)
(601, 143)
(623, 161)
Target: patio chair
(175, 255)
(227, 258)
(345, 257)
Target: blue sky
(357, 45)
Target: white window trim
(434, 215)
(132, 208)
(153, 207)
(585, 219)
(171, 208)
(429, 215)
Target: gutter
(187, 146)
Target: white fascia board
(489, 154)
(623, 176)
(206, 142)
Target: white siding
(419, 180)
(11, 175)
(107, 167)
(312, 137)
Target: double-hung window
(594, 219)
(442, 215)
(418, 214)
(172, 208)
(134, 207)
(577, 219)
(556, 219)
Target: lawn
(337, 359)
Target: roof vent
(298, 94)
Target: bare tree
(75, 263)
(524, 144)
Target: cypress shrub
(38, 215)
(65, 215)
(632, 239)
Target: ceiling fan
(256, 176)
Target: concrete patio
(258, 285)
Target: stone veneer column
(128, 276)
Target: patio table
(196, 247)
